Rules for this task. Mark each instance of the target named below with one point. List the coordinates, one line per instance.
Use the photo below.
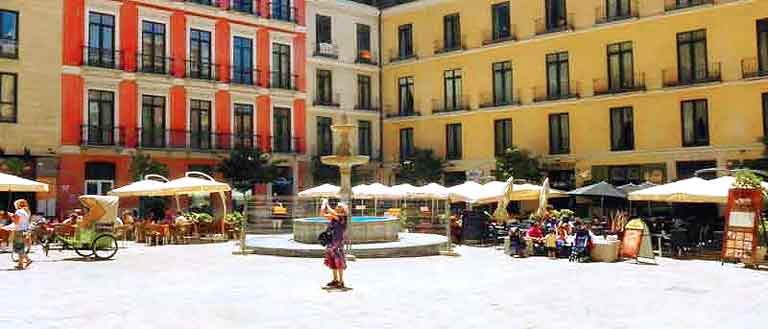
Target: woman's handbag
(325, 237)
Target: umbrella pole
(602, 206)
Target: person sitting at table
(168, 217)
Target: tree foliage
(246, 167)
(518, 163)
(143, 164)
(423, 167)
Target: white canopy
(466, 192)
(322, 191)
(433, 191)
(190, 185)
(494, 191)
(679, 191)
(375, 191)
(408, 191)
(146, 187)
(11, 183)
(716, 190)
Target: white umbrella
(406, 190)
(467, 192)
(679, 191)
(11, 183)
(146, 187)
(190, 185)
(433, 191)
(543, 197)
(716, 190)
(322, 191)
(375, 191)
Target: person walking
(19, 235)
(334, 251)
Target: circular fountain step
(408, 245)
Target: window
(688, 169)
(765, 114)
(200, 64)
(406, 143)
(502, 132)
(559, 134)
(99, 178)
(101, 116)
(281, 63)
(555, 14)
(620, 67)
(452, 90)
(500, 18)
(8, 97)
(762, 45)
(243, 125)
(557, 75)
(324, 136)
(282, 130)
(405, 95)
(152, 48)
(502, 83)
(101, 40)
(453, 141)
(324, 88)
(9, 34)
(451, 32)
(152, 121)
(692, 56)
(204, 2)
(364, 92)
(405, 40)
(616, 9)
(243, 6)
(200, 124)
(363, 42)
(242, 59)
(364, 140)
(323, 29)
(695, 123)
(282, 10)
(622, 129)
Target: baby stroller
(580, 248)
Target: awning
(11, 183)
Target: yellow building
(616, 90)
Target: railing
(670, 5)
(96, 135)
(327, 50)
(154, 64)
(9, 48)
(246, 76)
(604, 87)
(244, 6)
(203, 140)
(441, 106)
(214, 3)
(331, 100)
(152, 138)
(456, 45)
(604, 15)
(545, 27)
(400, 114)
(283, 80)
(396, 56)
(488, 100)
(489, 37)
(201, 70)
(699, 74)
(564, 90)
(102, 57)
(282, 12)
(367, 107)
(365, 57)
(286, 144)
(751, 68)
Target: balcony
(605, 15)
(403, 113)
(282, 12)
(670, 5)
(9, 48)
(188, 140)
(154, 64)
(366, 57)
(97, 135)
(545, 27)
(283, 80)
(367, 107)
(244, 6)
(246, 76)
(395, 55)
(488, 100)
(441, 46)
(326, 99)
(605, 87)
(674, 77)
(327, 50)
(201, 70)
(564, 90)
(491, 37)
(102, 57)
(450, 105)
(213, 3)
(752, 68)
(286, 144)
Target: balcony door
(692, 56)
(282, 130)
(620, 66)
(762, 45)
(152, 121)
(200, 124)
(242, 60)
(243, 125)
(452, 90)
(101, 40)
(557, 75)
(502, 83)
(555, 14)
(200, 60)
(152, 47)
(281, 64)
(101, 117)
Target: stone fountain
(344, 158)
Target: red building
(182, 81)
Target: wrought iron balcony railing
(607, 86)
(326, 99)
(201, 70)
(102, 57)
(605, 14)
(246, 76)
(9, 48)
(491, 37)
(753, 68)
(446, 46)
(450, 105)
(489, 100)
(100, 135)
(678, 76)
(327, 50)
(543, 26)
(670, 5)
(283, 80)
(147, 63)
(557, 91)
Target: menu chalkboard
(742, 216)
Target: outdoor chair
(361, 208)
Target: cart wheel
(105, 246)
(82, 251)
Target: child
(550, 242)
(517, 243)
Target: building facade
(343, 80)
(30, 94)
(616, 90)
(182, 81)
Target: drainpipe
(381, 97)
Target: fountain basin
(364, 229)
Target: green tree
(143, 164)
(423, 167)
(518, 163)
(246, 167)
